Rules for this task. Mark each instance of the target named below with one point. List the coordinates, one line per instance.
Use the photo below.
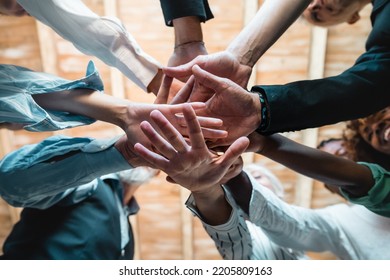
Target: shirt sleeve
(173, 9)
(103, 37)
(296, 227)
(378, 198)
(32, 174)
(19, 84)
(232, 239)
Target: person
(275, 229)
(186, 17)
(83, 224)
(367, 139)
(363, 85)
(103, 37)
(42, 102)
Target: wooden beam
(6, 147)
(47, 48)
(187, 226)
(318, 43)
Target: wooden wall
(165, 228)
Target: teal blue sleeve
(378, 198)
(31, 174)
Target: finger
(205, 122)
(169, 132)
(158, 142)
(184, 70)
(184, 93)
(163, 92)
(156, 160)
(234, 151)
(209, 80)
(193, 128)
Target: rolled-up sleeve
(378, 198)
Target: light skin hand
(223, 64)
(190, 163)
(238, 109)
(187, 162)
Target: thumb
(179, 72)
(209, 80)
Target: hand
(168, 91)
(187, 162)
(238, 109)
(223, 64)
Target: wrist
(187, 29)
(264, 110)
(209, 193)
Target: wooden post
(318, 42)
(5, 148)
(187, 227)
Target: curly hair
(359, 150)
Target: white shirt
(103, 37)
(278, 230)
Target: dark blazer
(89, 229)
(181, 8)
(361, 90)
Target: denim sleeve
(19, 84)
(30, 174)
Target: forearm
(270, 22)
(232, 237)
(86, 102)
(187, 30)
(294, 227)
(103, 37)
(330, 169)
(59, 163)
(241, 189)
(212, 205)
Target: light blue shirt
(18, 84)
(29, 178)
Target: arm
(236, 62)
(38, 171)
(291, 226)
(186, 17)
(269, 23)
(174, 9)
(355, 93)
(333, 170)
(105, 38)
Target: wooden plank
(310, 136)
